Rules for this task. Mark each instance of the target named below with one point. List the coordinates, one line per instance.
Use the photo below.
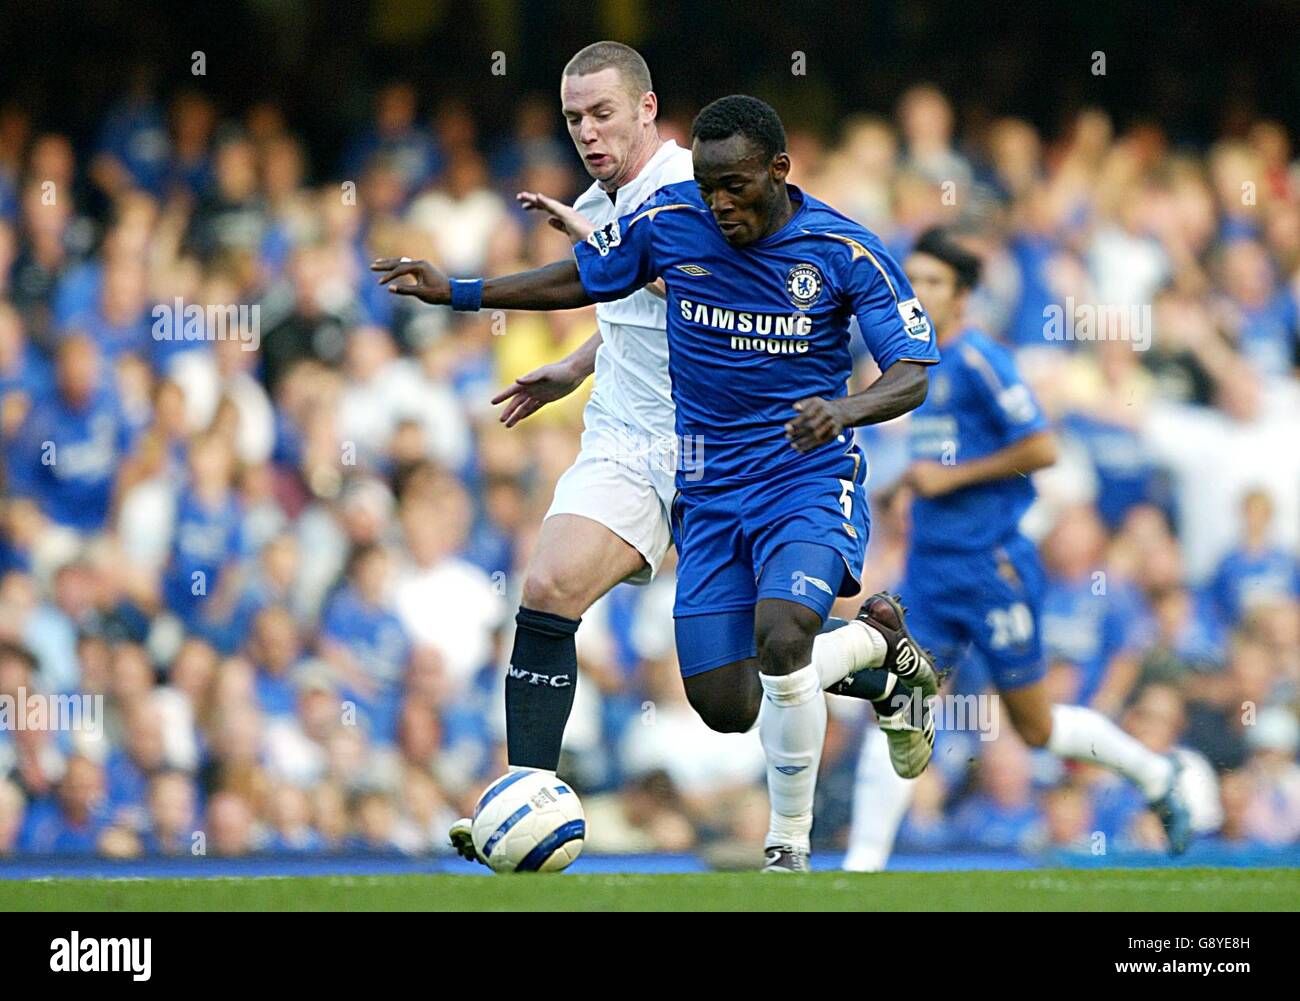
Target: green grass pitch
(1046, 890)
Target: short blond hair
(626, 60)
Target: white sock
(854, 646)
(1079, 732)
(792, 729)
(880, 801)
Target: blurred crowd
(283, 552)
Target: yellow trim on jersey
(651, 213)
(860, 251)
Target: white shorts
(624, 479)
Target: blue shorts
(802, 539)
(988, 599)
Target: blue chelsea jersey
(977, 405)
(752, 330)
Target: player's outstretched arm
(565, 218)
(900, 389)
(529, 393)
(576, 226)
(553, 286)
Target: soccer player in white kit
(608, 521)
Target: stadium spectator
(1002, 813)
(926, 826)
(230, 825)
(1087, 623)
(1257, 571)
(442, 600)
(65, 454)
(290, 814)
(130, 767)
(646, 817)
(171, 814)
(71, 820)
(376, 826)
(1067, 820)
(396, 136)
(1273, 813)
(275, 650)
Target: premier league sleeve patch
(804, 285)
(915, 321)
(606, 238)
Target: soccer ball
(529, 821)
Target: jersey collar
(636, 191)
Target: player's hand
(931, 479)
(819, 422)
(427, 283)
(529, 393)
(563, 217)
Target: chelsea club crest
(804, 285)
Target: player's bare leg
(854, 658)
(727, 698)
(1086, 735)
(576, 562)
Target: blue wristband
(466, 294)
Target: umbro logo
(790, 769)
(694, 270)
(821, 585)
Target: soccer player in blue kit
(972, 578)
(771, 525)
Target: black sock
(896, 697)
(872, 683)
(539, 688)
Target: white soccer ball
(529, 821)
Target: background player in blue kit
(771, 525)
(972, 577)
